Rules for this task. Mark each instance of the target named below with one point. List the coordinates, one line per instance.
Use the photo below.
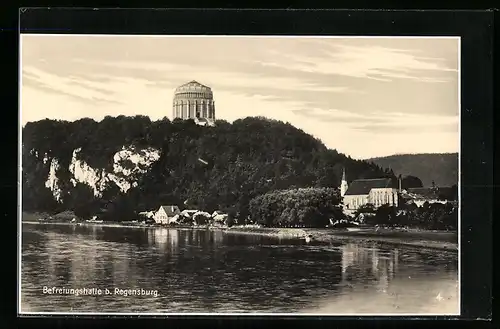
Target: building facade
(378, 192)
(195, 101)
(166, 214)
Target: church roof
(364, 186)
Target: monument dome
(195, 101)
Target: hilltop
(441, 168)
(122, 165)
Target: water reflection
(371, 264)
(210, 271)
(164, 239)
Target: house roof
(363, 186)
(170, 210)
(429, 192)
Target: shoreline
(114, 224)
(435, 240)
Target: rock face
(52, 181)
(128, 164)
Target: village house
(188, 213)
(167, 214)
(219, 217)
(434, 194)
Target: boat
(308, 238)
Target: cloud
(374, 62)
(74, 81)
(220, 77)
(394, 123)
(69, 87)
(335, 116)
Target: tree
(385, 215)
(83, 202)
(410, 182)
(303, 207)
(201, 219)
(366, 208)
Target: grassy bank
(416, 238)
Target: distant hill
(440, 167)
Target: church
(195, 101)
(378, 192)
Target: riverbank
(68, 218)
(121, 225)
(138, 225)
(440, 240)
(415, 238)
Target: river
(202, 271)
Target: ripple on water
(230, 275)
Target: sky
(365, 97)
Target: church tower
(343, 184)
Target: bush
(201, 219)
(230, 221)
(434, 216)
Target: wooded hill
(441, 168)
(210, 168)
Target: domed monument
(194, 101)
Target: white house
(188, 213)
(166, 214)
(219, 216)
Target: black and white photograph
(233, 174)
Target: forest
(210, 168)
(440, 168)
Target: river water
(201, 271)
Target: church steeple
(343, 184)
